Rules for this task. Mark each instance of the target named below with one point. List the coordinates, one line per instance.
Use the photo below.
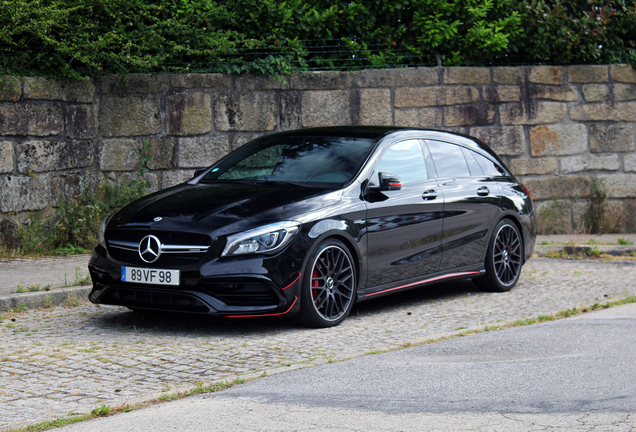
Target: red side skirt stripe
(422, 282)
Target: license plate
(150, 276)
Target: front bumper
(250, 286)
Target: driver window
(404, 159)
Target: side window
(449, 159)
(490, 168)
(475, 169)
(404, 159)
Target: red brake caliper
(314, 284)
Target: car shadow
(120, 319)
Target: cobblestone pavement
(59, 361)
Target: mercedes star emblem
(157, 219)
(149, 249)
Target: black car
(307, 222)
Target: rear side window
(449, 159)
(490, 168)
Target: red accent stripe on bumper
(293, 281)
(423, 282)
(264, 315)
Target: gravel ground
(65, 360)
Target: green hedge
(81, 38)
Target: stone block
(588, 74)
(255, 111)
(23, 193)
(504, 140)
(129, 116)
(629, 162)
(289, 111)
(555, 216)
(397, 77)
(242, 139)
(588, 162)
(469, 115)
(119, 154)
(67, 186)
(558, 187)
(596, 92)
(202, 80)
(161, 153)
(620, 111)
(151, 177)
(612, 138)
(466, 75)
(375, 107)
(621, 185)
(41, 156)
(188, 113)
(81, 121)
(134, 83)
(553, 140)
(419, 117)
(175, 177)
(23, 119)
(66, 90)
(546, 75)
(10, 88)
(509, 75)
(532, 113)
(6, 156)
(326, 108)
(412, 97)
(202, 151)
(624, 92)
(557, 93)
(534, 166)
(503, 93)
(321, 80)
(248, 83)
(623, 73)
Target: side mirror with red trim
(389, 182)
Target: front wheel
(504, 259)
(329, 286)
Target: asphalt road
(574, 374)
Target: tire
(504, 259)
(329, 286)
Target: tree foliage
(83, 38)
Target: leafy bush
(82, 38)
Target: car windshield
(307, 160)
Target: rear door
(471, 202)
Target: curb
(44, 299)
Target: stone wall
(556, 127)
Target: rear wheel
(504, 259)
(329, 286)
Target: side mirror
(388, 182)
(199, 171)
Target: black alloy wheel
(504, 259)
(329, 286)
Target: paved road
(58, 361)
(574, 374)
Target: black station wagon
(305, 223)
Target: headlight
(102, 229)
(266, 239)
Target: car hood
(221, 208)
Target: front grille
(152, 299)
(178, 248)
(251, 293)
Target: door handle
(483, 191)
(430, 194)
